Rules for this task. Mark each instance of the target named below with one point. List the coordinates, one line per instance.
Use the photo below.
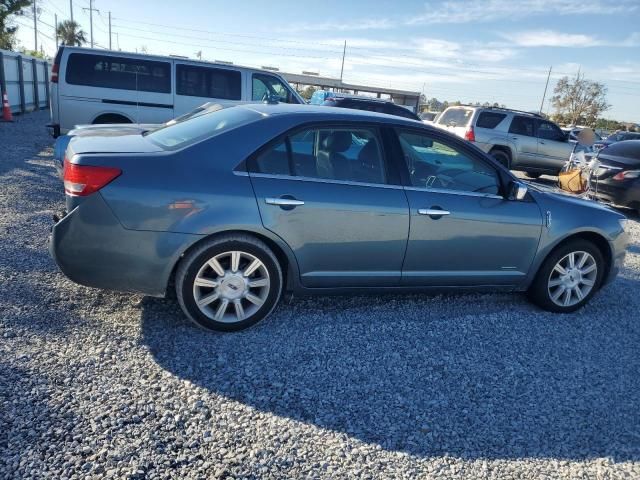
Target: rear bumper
(92, 248)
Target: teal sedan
(234, 207)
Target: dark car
(615, 138)
(619, 174)
(371, 105)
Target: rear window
(455, 117)
(628, 149)
(194, 81)
(198, 128)
(489, 119)
(122, 73)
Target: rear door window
(455, 117)
(207, 82)
(550, 131)
(523, 126)
(490, 119)
(106, 71)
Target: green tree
(8, 10)
(70, 33)
(579, 100)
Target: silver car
(519, 140)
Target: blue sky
(468, 50)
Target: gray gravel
(102, 385)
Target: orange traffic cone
(6, 109)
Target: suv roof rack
(505, 109)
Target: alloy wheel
(231, 286)
(572, 278)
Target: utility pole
(109, 30)
(91, 10)
(71, 9)
(55, 26)
(545, 90)
(344, 50)
(35, 27)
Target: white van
(91, 86)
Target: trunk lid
(112, 144)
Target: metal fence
(26, 81)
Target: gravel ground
(100, 385)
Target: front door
(327, 192)
(463, 231)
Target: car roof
(328, 113)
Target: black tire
(198, 259)
(502, 157)
(539, 290)
(533, 175)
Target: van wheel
(229, 283)
(568, 278)
(111, 118)
(501, 156)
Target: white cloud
(466, 11)
(381, 23)
(549, 38)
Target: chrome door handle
(284, 202)
(433, 212)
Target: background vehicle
(616, 137)
(618, 179)
(240, 204)
(428, 117)
(369, 104)
(319, 96)
(94, 87)
(519, 140)
(574, 131)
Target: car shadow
(471, 376)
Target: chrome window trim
(377, 185)
(455, 192)
(324, 180)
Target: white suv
(519, 140)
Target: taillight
(627, 175)
(83, 180)
(54, 72)
(470, 135)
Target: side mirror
(518, 191)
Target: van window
(207, 82)
(106, 71)
(201, 127)
(264, 85)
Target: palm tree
(69, 33)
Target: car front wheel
(229, 283)
(569, 277)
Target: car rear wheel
(569, 277)
(229, 283)
(501, 156)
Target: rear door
(328, 192)
(197, 84)
(554, 148)
(522, 134)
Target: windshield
(201, 126)
(455, 117)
